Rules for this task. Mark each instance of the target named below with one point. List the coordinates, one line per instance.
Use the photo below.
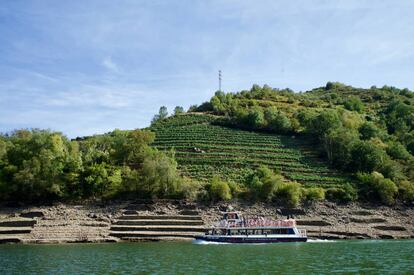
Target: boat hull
(224, 239)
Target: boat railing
(257, 222)
(302, 232)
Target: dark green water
(366, 257)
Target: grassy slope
(232, 153)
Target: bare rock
(32, 214)
(390, 228)
(92, 215)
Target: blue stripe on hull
(251, 240)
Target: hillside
(203, 150)
(336, 143)
(342, 139)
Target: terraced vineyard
(204, 150)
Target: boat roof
(253, 228)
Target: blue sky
(84, 67)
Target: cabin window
(282, 231)
(250, 232)
(231, 216)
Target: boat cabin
(251, 231)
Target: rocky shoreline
(181, 220)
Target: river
(376, 257)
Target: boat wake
(320, 241)
(201, 242)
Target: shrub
(392, 169)
(410, 146)
(334, 86)
(344, 194)
(235, 189)
(263, 183)
(189, 189)
(378, 188)
(354, 104)
(406, 191)
(289, 193)
(314, 194)
(204, 107)
(219, 190)
(397, 151)
(351, 120)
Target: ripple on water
(160, 258)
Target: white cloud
(110, 65)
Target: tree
(334, 86)
(217, 105)
(37, 166)
(255, 118)
(277, 121)
(397, 151)
(135, 148)
(159, 176)
(305, 116)
(368, 130)
(95, 180)
(324, 123)
(399, 117)
(338, 146)
(366, 157)
(162, 114)
(178, 110)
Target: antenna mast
(219, 80)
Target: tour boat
(237, 229)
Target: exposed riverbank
(172, 220)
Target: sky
(86, 67)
